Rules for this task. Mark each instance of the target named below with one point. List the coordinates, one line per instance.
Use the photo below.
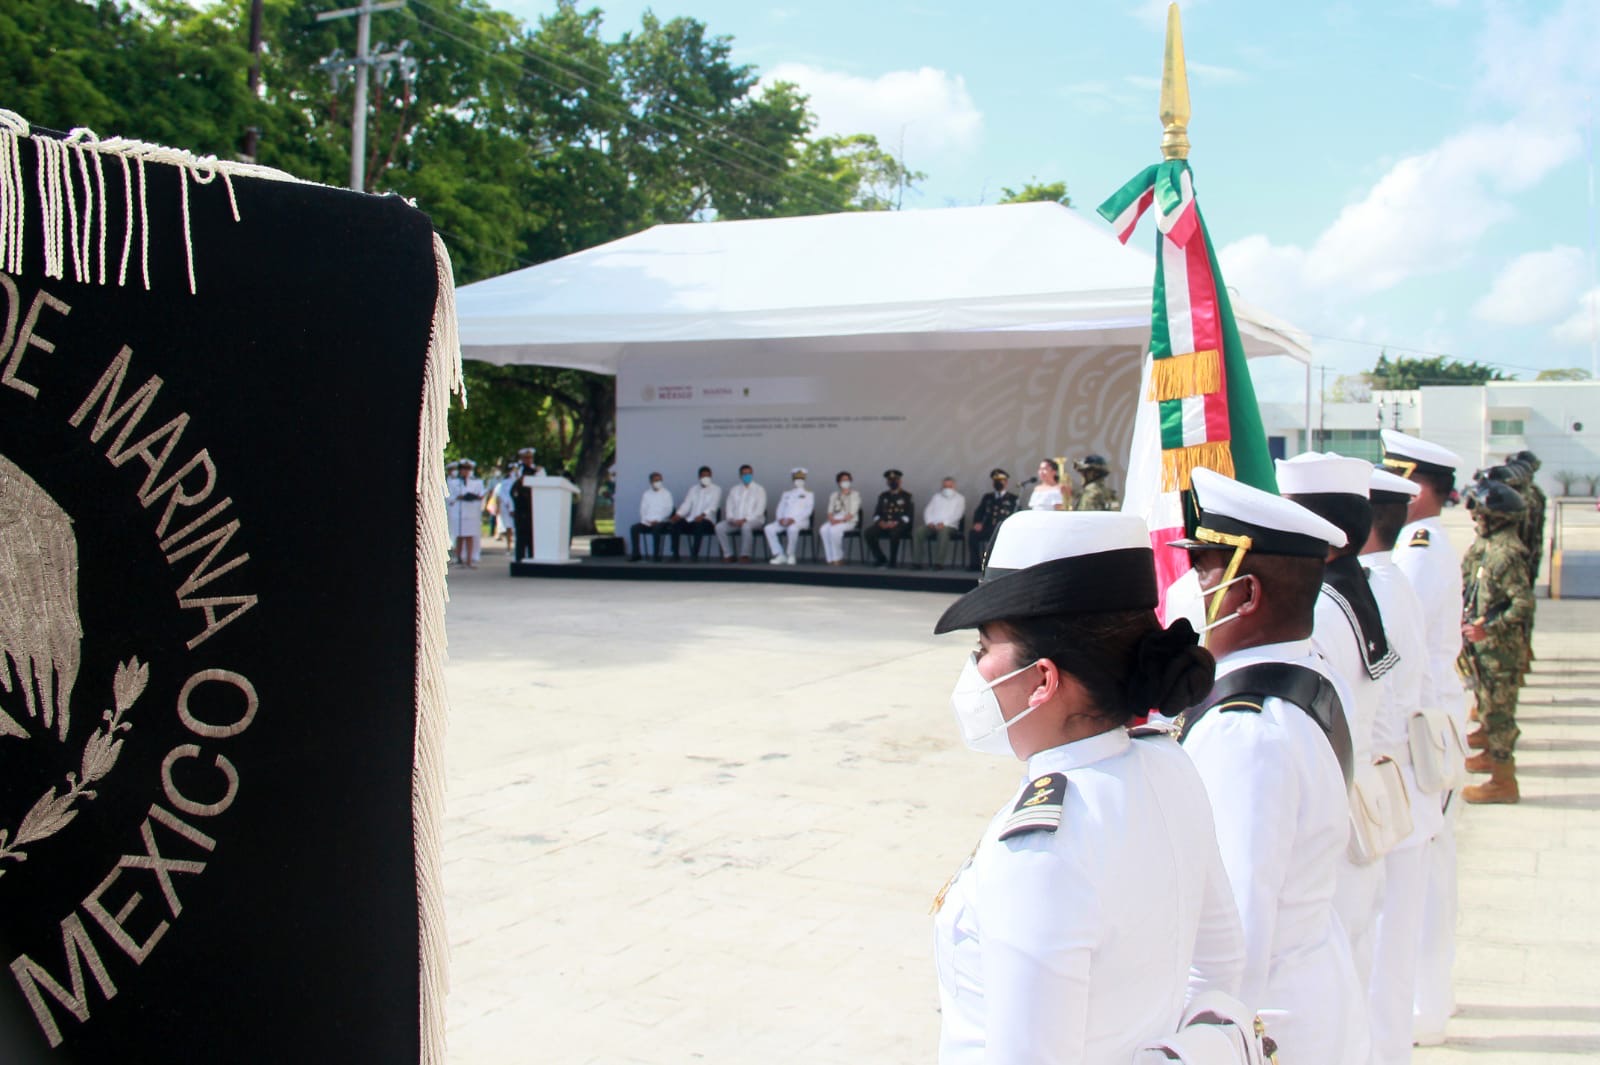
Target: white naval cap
(1386, 487)
(1275, 526)
(1407, 453)
(799, 471)
(528, 451)
(1058, 562)
(1322, 474)
(468, 462)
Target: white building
(1557, 420)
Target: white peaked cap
(1278, 526)
(1058, 562)
(799, 471)
(1392, 483)
(1320, 474)
(1411, 449)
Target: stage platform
(851, 575)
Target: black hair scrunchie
(1172, 672)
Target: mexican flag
(1197, 406)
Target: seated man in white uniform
(1349, 633)
(744, 513)
(941, 523)
(1424, 553)
(1391, 988)
(792, 517)
(655, 507)
(1273, 748)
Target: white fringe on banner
(442, 379)
(75, 213)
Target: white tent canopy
(1010, 275)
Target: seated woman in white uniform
(1096, 903)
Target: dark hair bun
(1172, 672)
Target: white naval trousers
(1394, 959)
(1436, 954)
(774, 531)
(832, 536)
(1357, 897)
(747, 534)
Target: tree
(1404, 372)
(523, 142)
(1573, 374)
(1035, 192)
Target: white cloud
(927, 111)
(1548, 65)
(1578, 328)
(1216, 75)
(1431, 208)
(1533, 288)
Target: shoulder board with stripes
(1239, 705)
(1039, 809)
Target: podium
(552, 518)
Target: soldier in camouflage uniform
(1498, 600)
(1097, 493)
(1537, 502)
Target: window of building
(1505, 426)
(1356, 443)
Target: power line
(1406, 349)
(568, 64)
(621, 110)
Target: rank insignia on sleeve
(1419, 538)
(1039, 807)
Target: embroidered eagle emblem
(1419, 538)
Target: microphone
(1030, 480)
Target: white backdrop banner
(930, 413)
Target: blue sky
(1409, 173)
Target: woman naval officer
(1096, 903)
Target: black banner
(208, 615)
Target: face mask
(655, 486)
(947, 492)
(999, 485)
(705, 482)
(746, 478)
(894, 483)
(983, 724)
(1218, 590)
(844, 486)
(800, 483)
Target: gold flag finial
(1174, 92)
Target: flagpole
(1174, 91)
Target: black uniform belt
(1306, 688)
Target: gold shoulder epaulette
(1039, 808)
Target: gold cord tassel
(1198, 373)
(1177, 464)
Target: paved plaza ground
(704, 823)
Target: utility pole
(1322, 410)
(336, 66)
(252, 134)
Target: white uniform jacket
(1078, 944)
(747, 502)
(1431, 563)
(1335, 639)
(942, 511)
(702, 499)
(466, 515)
(1400, 690)
(1283, 823)
(654, 505)
(847, 504)
(796, 504)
